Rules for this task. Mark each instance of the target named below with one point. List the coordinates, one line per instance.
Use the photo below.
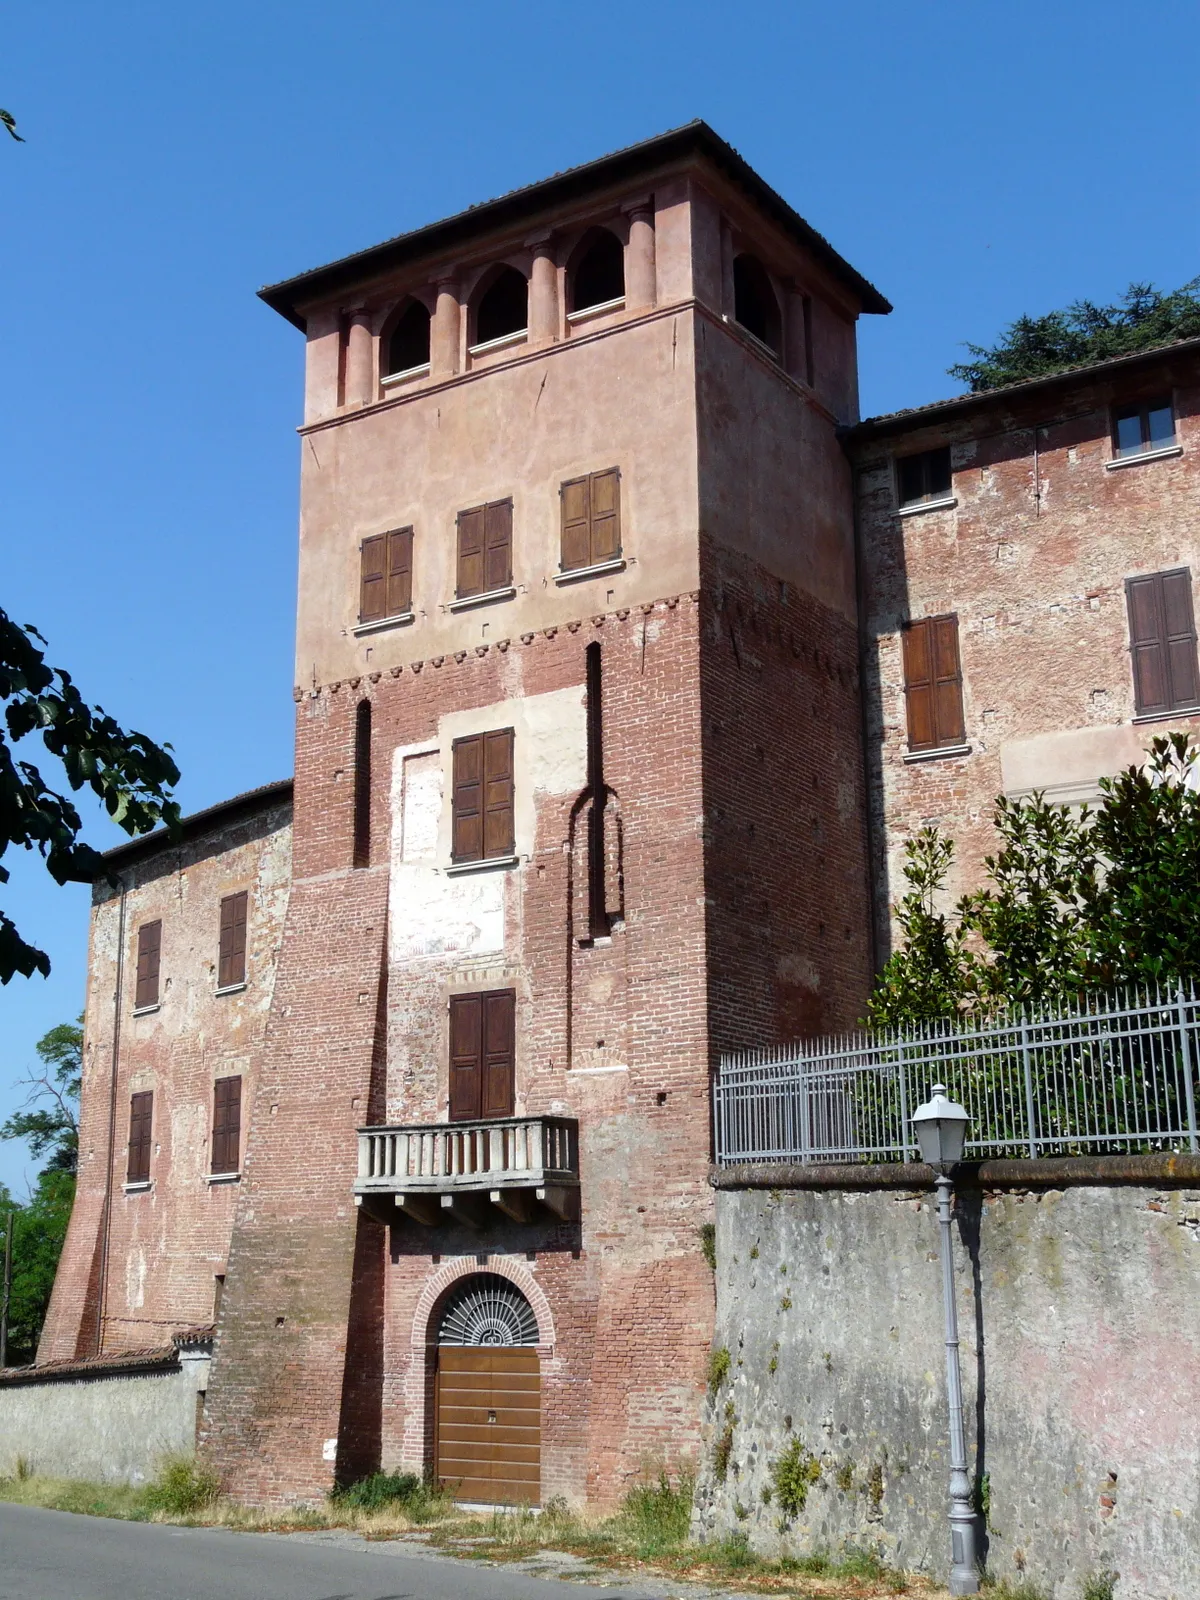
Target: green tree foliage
(129, 773)
(51, 1124)
(1031, 347)
(1093, 899)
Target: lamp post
(941, 1129)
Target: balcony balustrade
(521, 1168)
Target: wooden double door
(482, 1052)
(488, 1424)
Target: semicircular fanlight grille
(488, 1309)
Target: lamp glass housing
(941, 1129)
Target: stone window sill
(138, 1188)
(456, 869)
(911, 757)
(398, 621)
(947, 503)
(502, 343)
(394, 379)
(586, 313)
(222, 1177)
(232, 988)
(758, 344)
(1166, 716)
(145, 1011)
(1136, 457)
(468, 600)
(578, 574)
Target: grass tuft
(181, 1487)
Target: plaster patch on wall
(135, 1279)
(189, 1140)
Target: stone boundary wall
(112, 1424)
(1077, 1288)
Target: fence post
(1030, 1123)
(904, 1134)
(1189, 1088)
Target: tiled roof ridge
(197, 821)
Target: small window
(485, 549)
(933, 684)
(1137, 429)
(925, 477)
(482, 1055)
(149, 948)
(599, 275)
(227, 1125)
(231, 962)
(503, 308)
(754, 304)
(591, 519)
(385, 576)
(141, 1120)
(408, 345)
(1162, 642)
(482, 800)
(362, 784)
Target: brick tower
(578, 804)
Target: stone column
(543, 292)
(641, 290)
(360, 359)
(444, 336)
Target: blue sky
(975, 162)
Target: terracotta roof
(200, 822)
(958, 405)
(621, 166)
(153, 1358)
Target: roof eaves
(200, 822)
(693, 138)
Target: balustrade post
(1030, 1109)
(1189, 1087)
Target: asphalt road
(55, 1555)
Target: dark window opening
(591, 520)
(408, 346)
(599, 275)
(484, 549)
(754, 304)
(1162, 642)
(141, 1120)
(218, 1294)
(231, 957)
(385, 577)
(598, 924)
(149, 950)
(503, 307)
(362, 784)
(924, 477)
(482, 1055)
(809, 364)
(1139, 428)
(933, 684)
(227, 1125)
(482, 797)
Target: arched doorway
(488, 1420)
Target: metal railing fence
(1111, 1073)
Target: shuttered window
(485, 549)
(482, 800)
(933, 684)
(231, 962)
(1162, 642)
(591, 519)
(149, 947)
(141, 1120)
(482, 1055)
(227, 1125)
(386, 585)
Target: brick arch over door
(427, 1314)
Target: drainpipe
(112, 1126)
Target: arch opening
(408, 343)
(755, 307)
(487, 1310)
(599, 272)
(503, 307)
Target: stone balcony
(522, 1169)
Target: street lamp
(941, 1129)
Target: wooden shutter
(141, 1121)
(470, 552)
(148, 952)
(498, 540)
(575, 503)
(227, 1125)
(231, 965)
(372, 599)
(466, 1057)
(399, 572)
(499, 1030)
(933, 684)
(606, 515)
(467, 799)
(1162, 641)
(498, 794)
